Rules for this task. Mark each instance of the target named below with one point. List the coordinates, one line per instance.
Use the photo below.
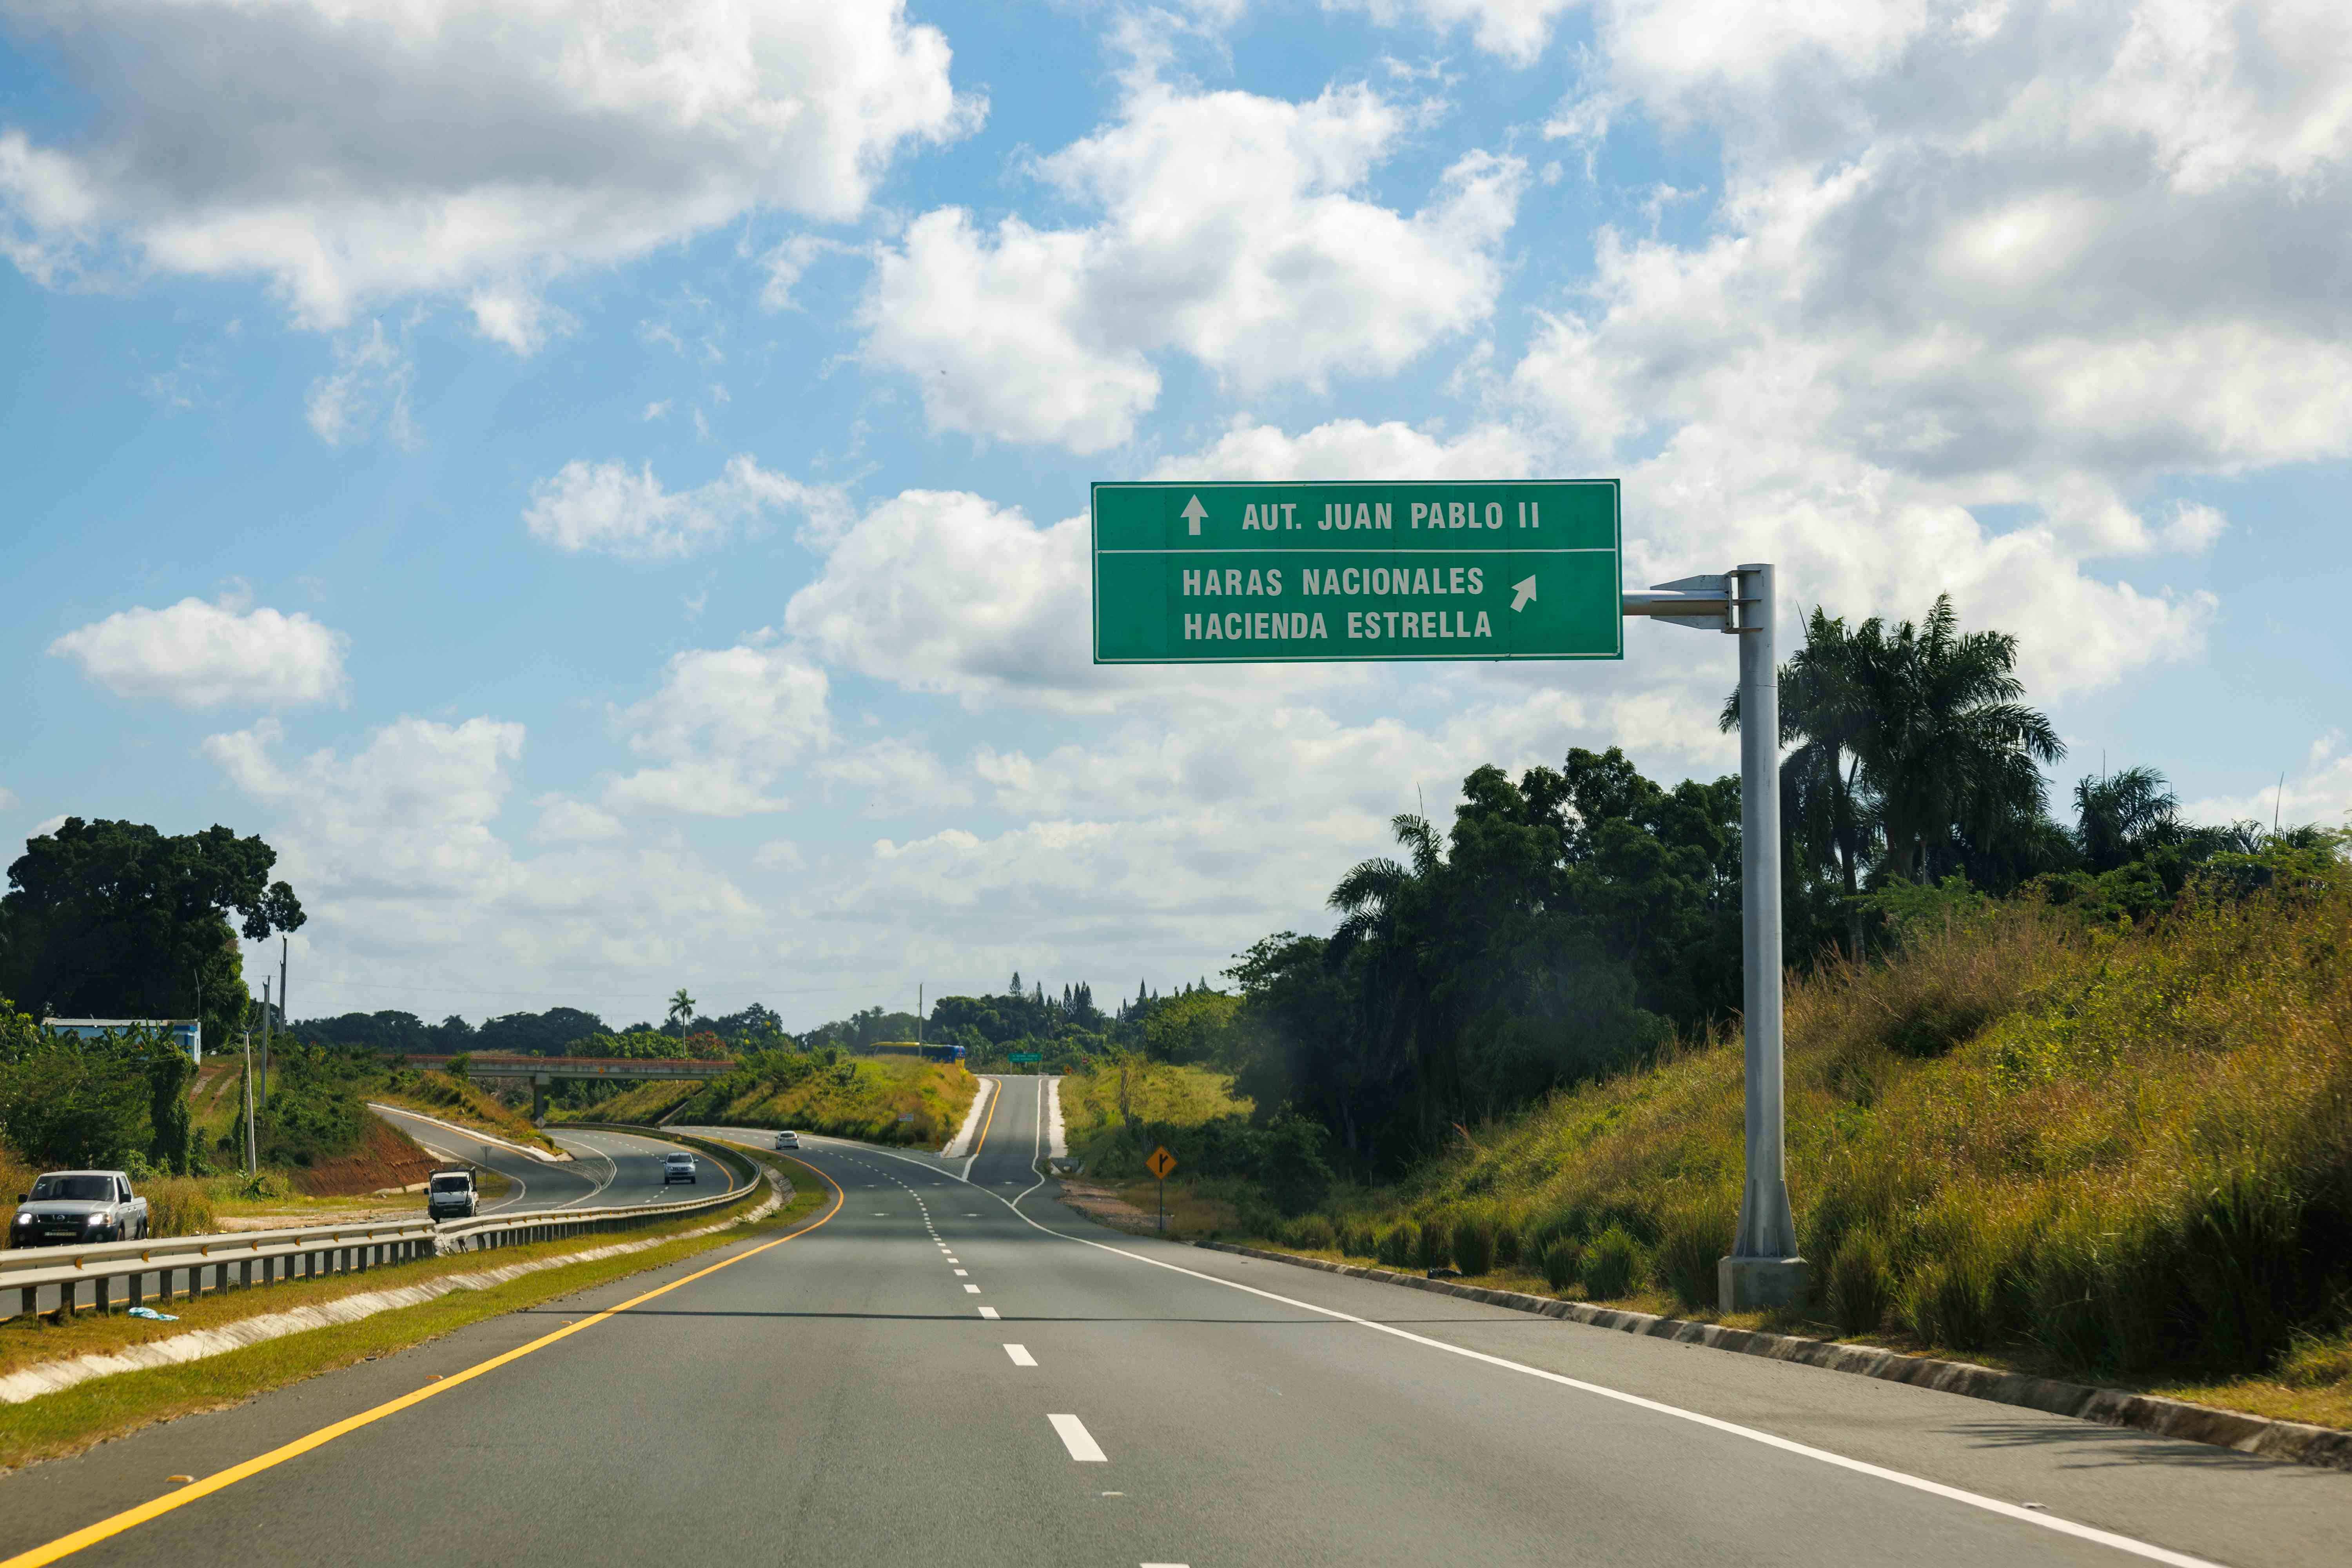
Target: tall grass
(2121, 1149)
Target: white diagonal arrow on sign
(1522, 591)
(1194, 513)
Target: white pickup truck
(67, 1207)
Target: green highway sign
(1025, 1057)
(1222, 572)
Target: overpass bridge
(544, 1070)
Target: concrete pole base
(1751, 1284)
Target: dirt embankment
(385, 1158)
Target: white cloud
(943, 591)
(196, 654)
(515, 318)
(606, 507)
(371, 373)
(892, 778)
(562, 820)
(779, 855)
(476, 147)
(2319, 792)
(1233, 230)
(725, 723)
(1515, 30)
(2023, 255)
(412, 893)
(411, 810)
(1352, 449)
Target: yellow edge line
(986, 1122)
(91, 1535)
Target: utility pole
(281, 1007)
(919, 1016)
(1763, 1269)
(252, 1150)
(264, 1039)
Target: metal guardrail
(315, 1251)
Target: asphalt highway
(933, 1370)
(608, 1170)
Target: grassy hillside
(641, 1102)
(848, 1097)
(1116, 1113)
(2113, 1151)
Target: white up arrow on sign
(1522, 591)
(1194, 513)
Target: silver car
(787, 1139)
(677, 1168)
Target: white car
(677, 1168)
(787, 1139)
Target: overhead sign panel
(1221, 573)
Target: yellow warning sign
(1160, 1162)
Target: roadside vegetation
(881, 1099)
(2112, 1149)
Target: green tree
(1829, 811)
(1952, 749)
(2120, 817)
(681, 1008)
(116, 919)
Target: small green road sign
(1025, 1056)
(1278, 573)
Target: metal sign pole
(1763, 1269)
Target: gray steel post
(1763, 1269)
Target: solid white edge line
(1020, 1356)
(1078, 1440)
(2147, 1550)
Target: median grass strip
(70, 1420)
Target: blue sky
(591, 485)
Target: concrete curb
(2290, 1442)
(959, 1146)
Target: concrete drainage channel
(243, 1259)
(2293, 1442)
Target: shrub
(1861, 1283)
(1562, 1261)
(1950, 1302)
(1399, 1244)
(1355, 1240)
(178, 1205)
(1507, 1244)
(1612, 1263)
(1313, 1234)
(1434, 1243)
(1473, 1245)
(1695, 1236)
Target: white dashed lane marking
(989, 1312)
(1078, 1440)
(971, 1289)
(1020, 1356)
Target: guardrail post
(244, 1274)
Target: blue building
(189, 1032)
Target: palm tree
(1383, 904)
(2118, 817)
(1951, 749)
(681, 1008)
(1828, 811)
